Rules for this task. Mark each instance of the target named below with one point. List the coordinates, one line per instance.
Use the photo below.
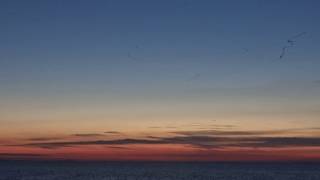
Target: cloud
(250, 142)
(206, 139)
(61, 138)
(112, 132)
(53, 145)
(20, 156)
(224, 133)
(194, 125)
(118, 147)
(223, 126)
(283, 142)
(244, 133)
(206, 142)
(88, 135)
(44, 139)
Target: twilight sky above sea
(218, 80)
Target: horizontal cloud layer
(247, 133)
(20, 156)
(88, 135)
(206, 139)
(196, 141)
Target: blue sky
(55, 40)
(170, 59)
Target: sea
(70, 170)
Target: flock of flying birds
(289, 44)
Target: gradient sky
(160, 80)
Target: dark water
(16, 170)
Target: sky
(170, 80)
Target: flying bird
(299, 35)
(291, 41)
(284, 49)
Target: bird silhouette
(291, 42)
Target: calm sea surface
(16, 170)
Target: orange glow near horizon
(210, 141)
(161, 153)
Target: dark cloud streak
(7, 156)
(89, 135)
(216, 132)
(44, 139)
(196, 141)
(112, 132)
